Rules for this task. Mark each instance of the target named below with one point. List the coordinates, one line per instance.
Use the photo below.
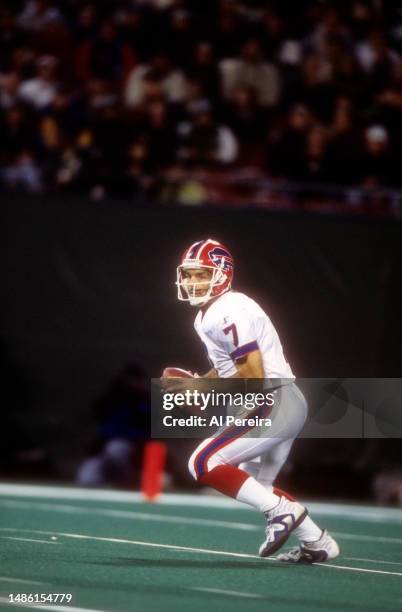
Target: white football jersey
(233, 326)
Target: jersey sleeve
(237, 333)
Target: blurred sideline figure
(122, 414)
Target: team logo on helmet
(221, 258)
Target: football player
(242, 342)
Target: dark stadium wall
(90, 287)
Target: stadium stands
(141, 96)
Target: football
(176, 373)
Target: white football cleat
(318, 551)
(281, 521)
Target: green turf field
(113, 552)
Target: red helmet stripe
(190, 253)
(206, 244)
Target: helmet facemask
(216, 284)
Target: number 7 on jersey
(232, 328)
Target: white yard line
(127, 514)
(359, 569)
(207, 551)
(80, 536)
(27, 540)
(162, 518)
(224, 592)
(57, 608)
(352, 512)
(235, 554)
(372, 560)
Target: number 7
(232, 328)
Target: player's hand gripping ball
(170, 376)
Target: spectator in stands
(159, 132)
(10, 37)
(203, 68)
(227, 29)
(314, 87)
(133, 30)
(101, 94)
(23, 175)
(138, 175)
(16, 131)
(41, 90)
(383, 60)
(314, 167)
(377, 166)
(329, 28)
(9, 85)
(23, 61)
(84, 25)
(171, 80)
(38, 14)
(204, 141)
(270, 30)
(78, 171)
(344, 147)
(196, 98)
(251, 70)
(391, 94)
(49, 143)
(389, 107)
(104, 56)
(248, 122)
(180, 37)
(374, 54)
(287, 151)
(346, 75)
(253, 66)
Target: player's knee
(198, 470)
(198, 465)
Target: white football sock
(253, 493)
(308, 531)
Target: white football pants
(260, 451)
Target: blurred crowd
(103, 98)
